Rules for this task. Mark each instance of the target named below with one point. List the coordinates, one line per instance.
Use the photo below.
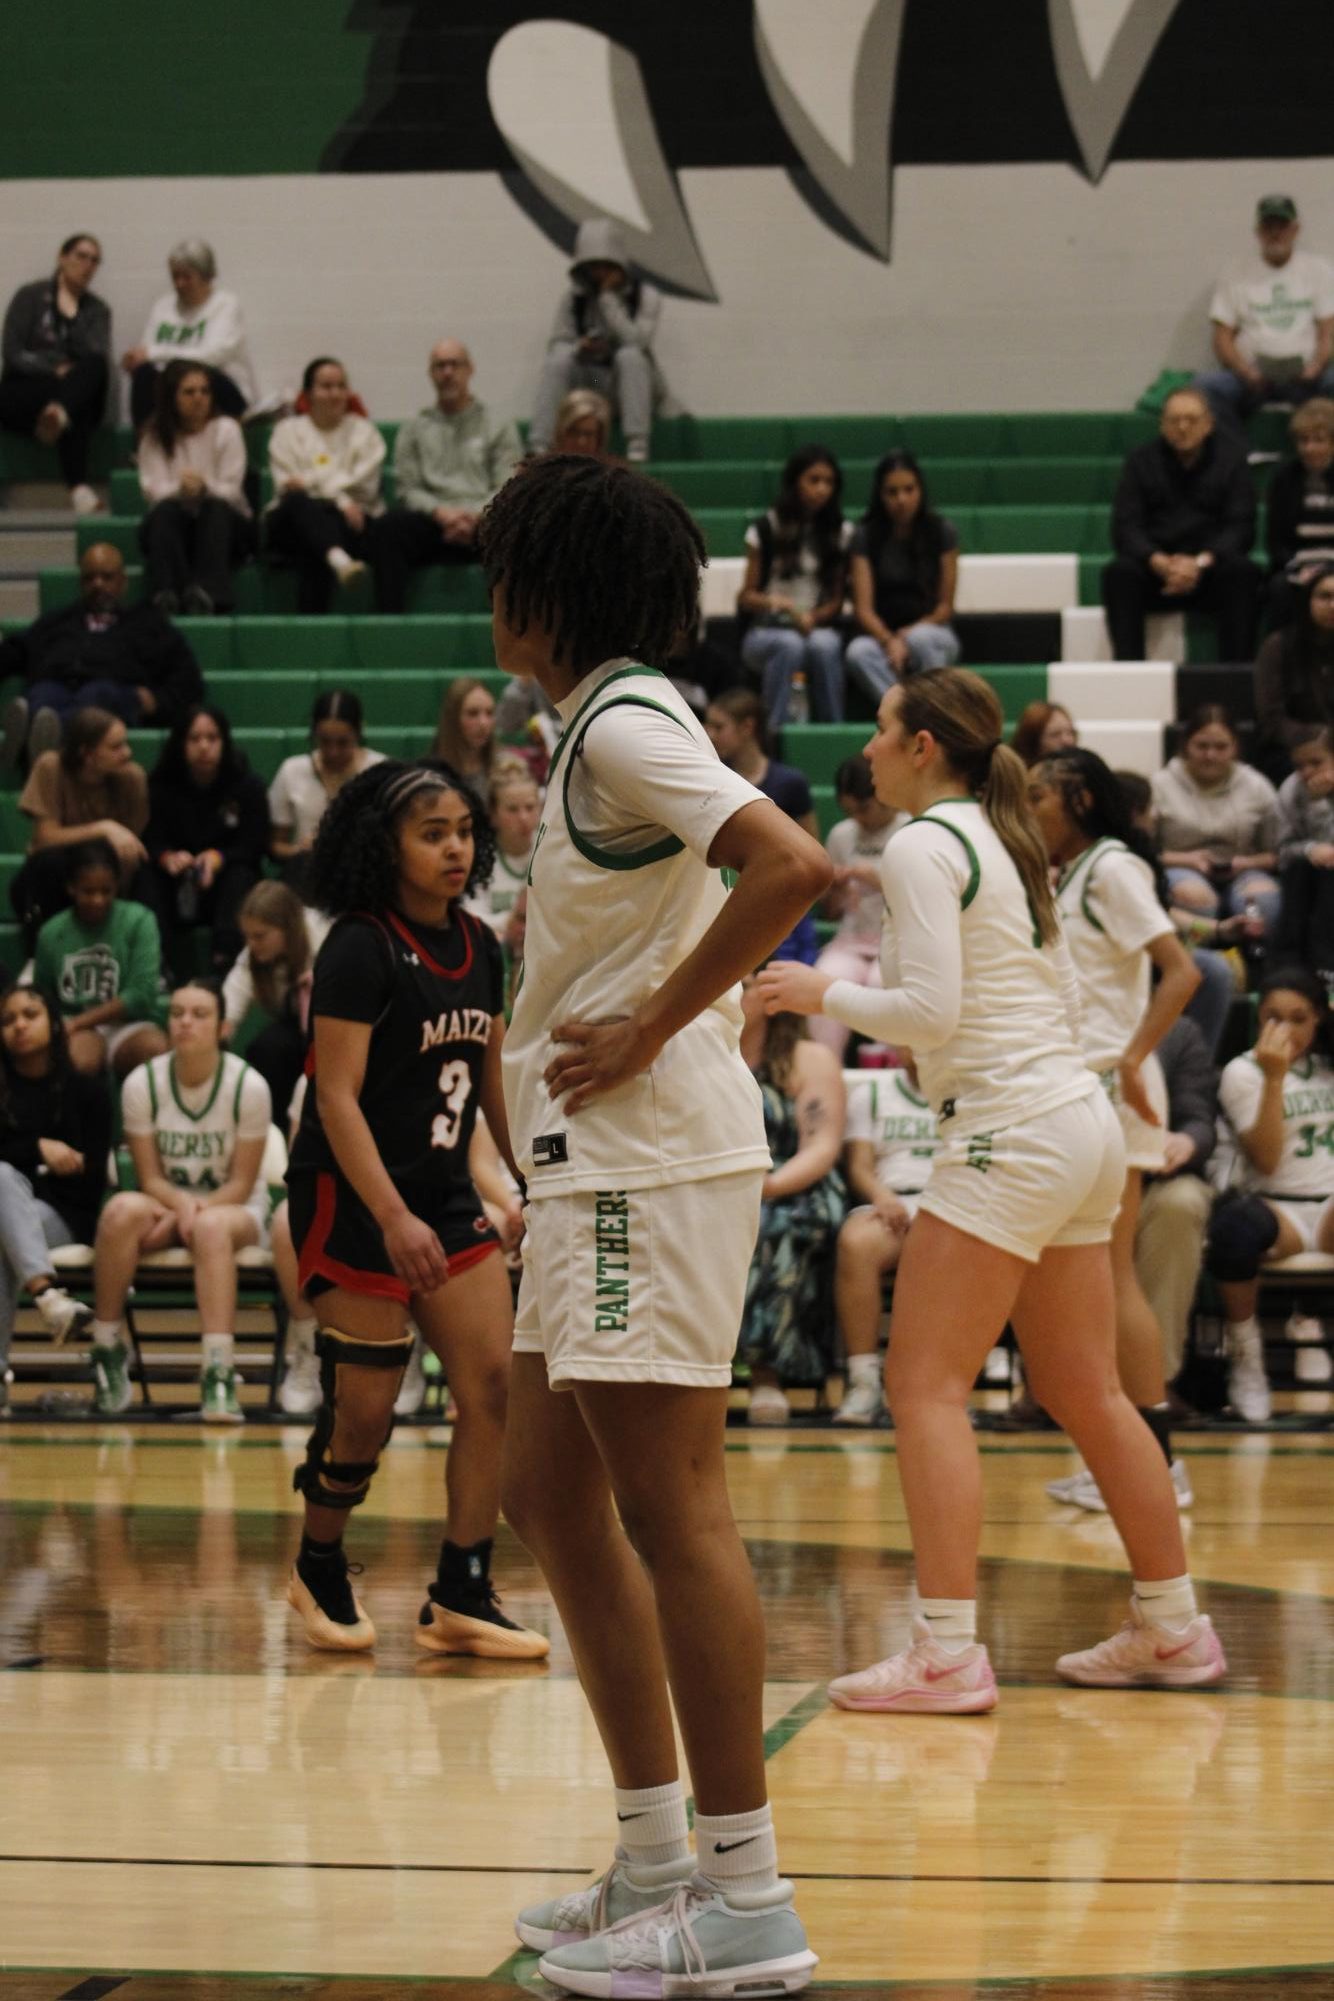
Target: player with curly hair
(406, 1028)
(639, 1129)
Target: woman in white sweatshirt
(197, 320)
(326, 466)
(1016, 1217)
(192, 467)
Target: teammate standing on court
(406, 1028)
(1017, 1215)
(638, 1128)
(1118, 931)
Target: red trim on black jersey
(470, 1255)
(314, 1259)
(441, 972)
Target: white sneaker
(768, 1405)
(996, 1369)
(1143, 1655)
(412, 1391)
(84, 500)
(1247, 1383)
(1181, 1486)
(1312, 1362)
(926, 1679)
(698, 1944)
(581, 1914)
(1068, 1485)
(301, 1393)
(61, 1315)
(1081, 1490)
(862, 1403)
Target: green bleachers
(262, 591)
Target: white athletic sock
(1168, 1601)
(651, 1824)
(217, 1351)
(106, 1333)
(737, 1851)
(864, 1369)
(953, 1621)
(339, 561)
(1243, 1334)
(300, 1334)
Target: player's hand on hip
(788, 987)
(593, 1057)
(415, 1253)
(1133, 1092)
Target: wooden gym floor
(195, 1807)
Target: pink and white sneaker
(925, 1679)
(1143, 1655)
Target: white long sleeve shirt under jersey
(990, 1013)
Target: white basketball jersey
(1110, 913)
(900, 1125)
(196, 1131)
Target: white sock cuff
(299, 1329)
(106, 1333)
(217, 1351)
(863, 1368)
(953, 1621)
(738, 1849)
(1167, 1601)
(651, 1823)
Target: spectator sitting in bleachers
(449, 461)
(1299, 510)
(1174, 1211)
(208, 832)
(1273, 1164)
(735, 723)
(1042, 730)
(1183, 522)
(527, 711)
(89, 789)
(583, 424)
(326, 466)
(197, 1122)
(272, 975)
(57, 359)
(1273, 319)
(784, 1334)
(795, 582)
(602, 339)
(197, 320)
(514, 807)
(1216, 824)
(99, 652)
(465, 733)
(905, 570)
(304, 784)
(192, 470)
(1305, 933)
(102, 959)
(1211, 941)
(854, 845)
(55, 1134)
(1294, 673)
(892, 1140)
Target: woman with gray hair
(197, 320)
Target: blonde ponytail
(963, 713)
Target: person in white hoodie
(602, 338)
(326, 464)
(197, 320)
(192, 468)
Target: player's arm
(780, 872)
(1178, 978)
(491, 1096)
(240, 1183)
(152, 1181)
(341, 1050)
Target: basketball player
(1017, 1214)
(639, 1131)
(405, 1046)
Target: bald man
(1183, 523)
(100, 652)
(448, 462)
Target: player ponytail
(1095, 800)
(965, 717)
(354, 864)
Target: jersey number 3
(455, 1084)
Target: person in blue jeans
(795, 582)
(905, 568)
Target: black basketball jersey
(429, 997)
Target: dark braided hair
(61, 1070)
(605, 559)
(1096, 801)
(354, 864)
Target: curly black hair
(1096, 801)
(607, 560)
(354, 862)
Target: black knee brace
(337, 1352)
(1241, 1229)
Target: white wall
(1014, 287)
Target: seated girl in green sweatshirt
(102, 959)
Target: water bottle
(799, 701)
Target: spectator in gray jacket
(449, 461)
(56, 350)
(1169, 1242)
(602, 339)
(1306, 854)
